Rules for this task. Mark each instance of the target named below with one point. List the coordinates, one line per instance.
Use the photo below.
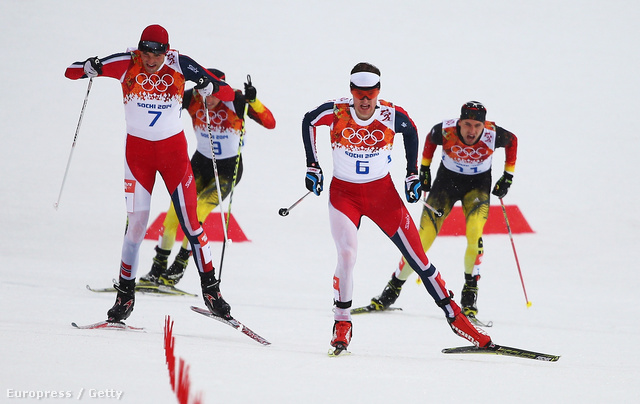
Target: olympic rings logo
(148, 83)
(215, 117)
(470, 152)
(362, 135)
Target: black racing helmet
(473, 110)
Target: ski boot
(389, 294)
(125, 300)
(341, 336)
(172, 276)
(212, 297)
(470, 295)
(157, 268)
(462, 327)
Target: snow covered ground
(562, 75)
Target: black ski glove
(250, 92)
(412, 187)
(93, 67)
(425, 178)
(206, 87)
(502, 186)
(314, 178)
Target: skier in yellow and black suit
(226, 119)
(464, 175)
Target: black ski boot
(157, 268)
(125, 300)
(172, 276)
(212, 296)
(389, 294)
(469, 295)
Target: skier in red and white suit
(362, 131)
(153, 80)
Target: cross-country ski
(371, 309)
(495, 349)
(105, 325)
(233, 323)
(149, 289)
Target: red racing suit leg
(380, 201)
(169, 157)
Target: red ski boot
(460, 325)
(341, 336)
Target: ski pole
(235, 178)
(217, 178)
(438, 213)
(285, 211)
(238, 155)
(513, 246)
(73, 145)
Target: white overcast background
(562, 75)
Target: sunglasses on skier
(361, 93)
(156, 48)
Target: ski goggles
(156, 48)
(361, 93)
